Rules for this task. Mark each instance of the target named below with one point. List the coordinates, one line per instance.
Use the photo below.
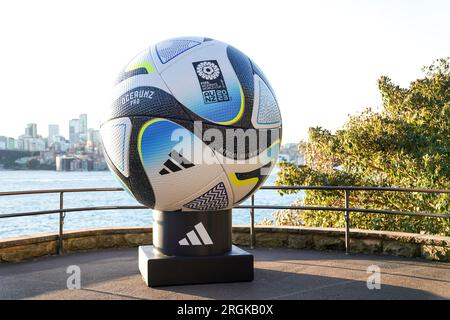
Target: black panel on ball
(118, 174)
(259, 72)
(244, 71)
(241, 149)
(148, 101)
(140, 186)
(128, 74)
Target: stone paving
(279, 274)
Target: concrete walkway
(279, 274)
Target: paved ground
(279, 274)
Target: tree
(407, 144)
(33, 164)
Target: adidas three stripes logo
(194, 240)
(176, 162)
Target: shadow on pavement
(279, 274)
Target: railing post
(61, 223)
(347, 221)
(252, 223)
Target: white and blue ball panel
(220, 99)
(168, 154)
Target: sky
(59, 59)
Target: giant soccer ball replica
(194, 125)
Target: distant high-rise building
(60, 144)
(93, 140)
(33, 144)
(74, 131)
(53, 131)
(31, 130)
(83, 127)
(20, 144)
(83, 124)
(11, 144)
(3, 143)
(94, 136)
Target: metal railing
(62, 211)
(346, 210)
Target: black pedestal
(161, 270)
(193, 247)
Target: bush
(407, 144)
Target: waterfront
(31, 180)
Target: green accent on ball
(238, 183)
(241, 110)
(122, 183)
(141, 133)
(144, 64)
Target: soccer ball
(194, 126)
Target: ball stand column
(193, 247)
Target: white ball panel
(266, 113)
(178, 54)
(116, 142)
(216, 195)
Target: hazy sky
(59, 58)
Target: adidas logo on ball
(176, 162)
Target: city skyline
(81, 151)
(52, 129)
(33, 140)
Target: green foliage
(8, 157)
(407, 144)
(33, 164)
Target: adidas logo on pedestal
(194, 239)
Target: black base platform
(158, 269)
